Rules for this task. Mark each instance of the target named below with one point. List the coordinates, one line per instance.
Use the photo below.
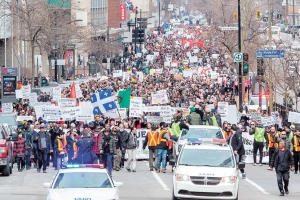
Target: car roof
(75, 170)
(207, 146)
(204, 127)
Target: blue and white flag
(103, 102)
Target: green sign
(59, 3)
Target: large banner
(248, 145)
(141, 135)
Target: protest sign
(223, 110)
(167, 64)
(123, 113)
(22, 118)
(141, 76)
(174, 64)
(7, 107)
(276, 118)
(136, 107)
(45, 111)
(55, 118)
(159, 97)
(56, 93)
(151, 109)
(267, 121)
(78, 91)
(19, 94)
(85, 118)
(26, 90)
(71, 112)
(126, 76)
(33, 99)
(117, 73)
(256, 116)
(294, 117)
(193, 59)
(141, 134)
(154, 119)
(66, 102)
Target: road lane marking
(158, 178)
(257, 186)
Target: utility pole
(293, 14)
(240, 49)
(135, 26)
(158, 17)
(270, 60)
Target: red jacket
(97, 140)
(20, 149)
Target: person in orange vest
(151, 141)
(163, 141)
(272, 143)
(72, 147)
(296, 151)
(227, 131)
(60, 149)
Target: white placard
(151, 109)
(56, 93)
(167, 64)
(267, 121)
(232, 117)
(188, 73)
(83, 118)
(294, 117)
(141, 76)
(117, 73)
(174, 64)
(22, 118)
(123, 113)
(156, 53)
(214, 75)
(7, 107)
(55, 118)
(78, 91)
(44, 111)
(66, 102)
(223, 110)
(126, 76)
(159, 97)
(136, 107)
(154, 119)
(276, 118)
(26, 90)
(193, 59)
(196, 50)
(71, 113)
(150, 57)
(19, 94)
(138, 55)
(169, 58)
(33, 99)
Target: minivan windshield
(201, 133)
(10, 120)
(207, 157)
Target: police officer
(296, 144)
(85, 153)
(151, 141)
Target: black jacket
(48, 142)
(288, 159)
(118, 140)
(237, 142)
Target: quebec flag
(103, 102)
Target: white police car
(207, 133)
(83, 182)
(206, 171)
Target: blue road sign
(269, 53)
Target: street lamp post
(240, 49)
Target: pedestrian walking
(258, 144)
(282, 160)
(97, 138)
(287, 141)
(107, 148)
(296, 149)
(151, 141)
(162, 147)
(26, 134)
(131, 145)
(123, 134)
(60, 150)
(236, 142)
(118, 144)
(44, 147)
(72, 147)
(85, 153)
(272, 143)
(20, 151)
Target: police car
(197, 131)
(83, 182)
(206, 171)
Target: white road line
(257, 186)
(158, 178)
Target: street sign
(238, 57)
(269, 53)
(229, 28)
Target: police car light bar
(219, 141)
(194, 141)
(101, 166)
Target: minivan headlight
(182, 177)
(2, 149)
(229, 179)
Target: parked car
(7, 136)
(10, 119)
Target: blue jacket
(48, 142)
(85, 154)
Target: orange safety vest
(75, 148)
(160, 139)
(226, 135)
(62, 145)
(272, 143)
(152, 138)
(296, 144)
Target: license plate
(82, 198)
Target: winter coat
(85, 153)
(288, 159)
(237, 142)
(131, 141)
(194, 119)
(108, 140)
(97, 140)
(48, 142)
(118, 140)
(123, 134)
(20, 148)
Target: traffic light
(279, 16)
(138, 35)
(258, 14)
(260, 67)
(235, 16)
(245, 64)
(265, 19)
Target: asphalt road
(145, 185)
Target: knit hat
(192, 109)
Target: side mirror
(172, 162)
(118, 184)
(174, 138)
(241, 165)
(47, 185)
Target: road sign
(269, 53)
(238, 57)
(229, 28)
